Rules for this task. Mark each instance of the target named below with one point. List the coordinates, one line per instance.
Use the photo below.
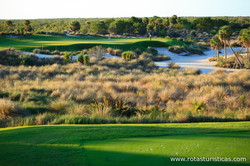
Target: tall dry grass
(181, 96)
(8, 109)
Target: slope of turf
(66, 43)
(150, 144)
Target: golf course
(111, 145)
(133, 83)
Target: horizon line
(107, 17)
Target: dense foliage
(159, 26)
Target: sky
(35, 9)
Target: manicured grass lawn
(66, 43)
(147, 144)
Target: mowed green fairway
(124, 145)
(66, 43)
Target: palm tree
(216, 44)
(224, 35)
(244, 40)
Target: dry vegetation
(231, 62)
(119, 91)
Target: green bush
(83, 59)
(80, 58)
(194, 49)
(86, 59)
(226, 63)
(67, 56)
(28, 59)
(128, 55)
(230, 62)
(41, 51)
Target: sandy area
(194, 61)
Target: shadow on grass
(143, 45)
(100, 145)
(40, 155)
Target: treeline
(157, 26)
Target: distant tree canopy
(27, 26)
(204, 23)
(9, 23)
(158, 26)
(173, 19)
(75, 26)
(120, 27)
(98, 27)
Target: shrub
(67, 56)
(128, 55)
(199, 106)
(14, 58)
(152, 51)
(161, 57)
(212, 59)
(97, 51)
(193, 33)
(190, 71)
(226, 63)
(80, 58)
(172, 65)
(110, 51)
(84, 59)
(117, 52)
(56, 52)
(176, 49)
(194, 49)
(41, 51)
(230, 62)
(28, 59)
(138, 52)
(8, 109)
(9, 57)
(58, 106)
(45, 118)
